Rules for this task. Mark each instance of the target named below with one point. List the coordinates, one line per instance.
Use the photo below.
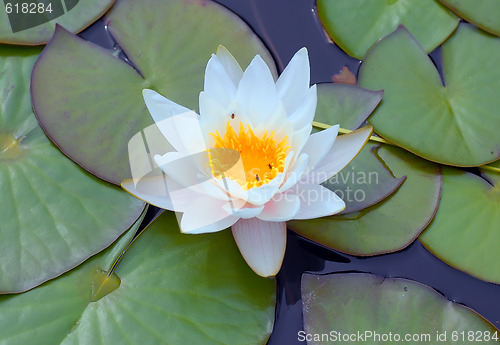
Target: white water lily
(248, 161)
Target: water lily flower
(248, 161)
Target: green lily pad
(90, 103)
(54, 214)
(349, 106)
(495, 164)
(364, 182)
(346, 105)
(454, 124)
(483, 14)
(366, 309)
(389, 225)
(18, 329)
(464, 232)
(174, 289)
(356, 25)
(37, 25)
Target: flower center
(263, 157)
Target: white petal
(257, 196)
(262, 244)
(304, 114)
(176, 122)
(344, 150)
(319, 144)
(298, 139)
(188, 172)
(218, 84)
(248, 211)
(233, 188)
(230, 64)
(317, 201)
(256, 93)
(277, 123)
(183, 132)
(160, 107)
(293, 83)
(235, 172)
(205, 215)
(211, 111)
(260, 195)
(182, 168)
(168, 158)
(214, 118)
(296, 172)
(281, 208)
(160, 190)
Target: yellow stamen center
(263, 158)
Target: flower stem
(345, 131)
(489, 168)
(383, 141)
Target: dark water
(285, 26)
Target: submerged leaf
(345, 77)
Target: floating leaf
(90, 103)
(54, 215)
(484, 14)
(456, 124)
(364, 182)
(385, 311)
(41, 313)
(496, 164)
(356, 25)
(349, 106)
(464, 232)
(343, 104)
(37, 25)
(175, 289)
(389, 225)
